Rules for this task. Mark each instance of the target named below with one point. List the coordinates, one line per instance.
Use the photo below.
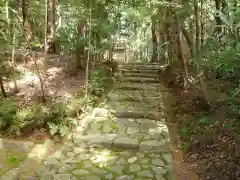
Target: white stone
(125, 177)
(131, 130)
(87, 164)
(63, 176)
(117, 168)
(147, 137)
(98, 171)
(64, 168)
(109, 176)
(144, 161)
(167, 158)
(99, 139)
(57, 155)
(70, 154)
(112, 160)
(159, 170)
(80, 172)
(146, 166)
(132, 160)
(44, 177)
(125, 142)
(79, 150)
(100, 112)
(51, 161)
(154, 146)
(157, 162)
(107, 127)
(81, 157)
(86, 121)
(134, 168)
(121, 161)
(155, 135)
(92, 177)
(95, 126)
(145, 173)
(125, 153)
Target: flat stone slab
(137, 95)
(101, 164)
(136, 86)
(104, 130)
(139, 79)
(132, 106)
(140, 74)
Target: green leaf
(183, 132)
(205, 120)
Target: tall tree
(52, 26)
(26, 21)
(154, 40)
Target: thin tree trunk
(52, 27)
(218, 20)
(189, 41)
(89, 45)
(202, 23)
(197, 26)
(26, 22)
(13, 57)
(45, 37)
(43, 99)
(154, 41)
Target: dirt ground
(213, 151)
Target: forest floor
(209, 138)
(62, 82)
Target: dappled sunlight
(101, 157)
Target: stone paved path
(127, 139)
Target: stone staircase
(126, 139)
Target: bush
(98, 81)
(59, 123)
(8, 109)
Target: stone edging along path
(126, 139)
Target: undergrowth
(56, 116)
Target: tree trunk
(2, 87)
(45, 37)
(202, 23)
(218, 20)
(80, 44)
(13, 56)
(197, 26)
(154, 41)
(189, 41)
(52, 27)
(26, 22)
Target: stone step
(141, 66)
(139, 63)
(123, 142)
(136, 74)
(138, 80)
(141, 129)
(146, 71)
(133, 107)
(133, 114)
(134, 86)
(137, 95)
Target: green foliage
(8, 109)
(98, 81)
